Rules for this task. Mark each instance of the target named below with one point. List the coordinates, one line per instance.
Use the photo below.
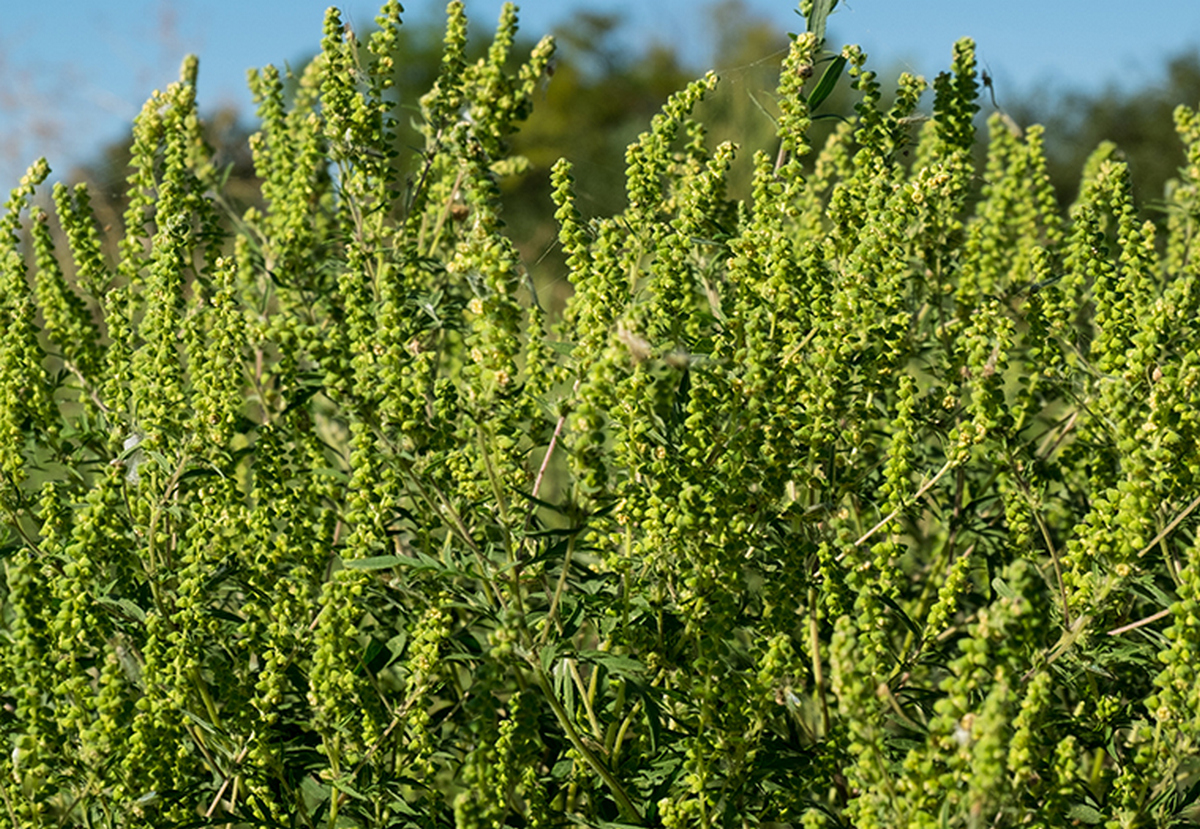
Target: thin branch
(924, 488)
(1167, 529)
(624, 804)
(241, 755)
(537, 483)
(1140, 623)
(1045, 531)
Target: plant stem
(628, 810)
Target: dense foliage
(868, 501)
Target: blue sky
(73, 73)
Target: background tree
(1138, 120)
(600, 96)
(593, 104)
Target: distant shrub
(867, 502)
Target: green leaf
(653, 713)
(396, 645)
(895, 608)
(343, 785)
(203, 723)
(200, 472)
(571, 613)
(422, 561)
(617, 664)
(299, 398)
(830, 116)
(827, 84)
(1081, 811)
(123, 607)
(547, 655)
(374, 648)
(218, 613)
(372, 563)
(818, 16)
(544, 504)
(553, 552)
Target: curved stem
(628, 810)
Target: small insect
(962, 731)
(988, 84)
(784, 695)
(546, 76)
(130, 458)
(1045, 283)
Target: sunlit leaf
(827, 83)
(817, 18)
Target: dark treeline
(1139, 121)
(601, 95)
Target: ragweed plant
(868, 501)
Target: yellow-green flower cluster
(813, 509)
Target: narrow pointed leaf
(828, 82)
